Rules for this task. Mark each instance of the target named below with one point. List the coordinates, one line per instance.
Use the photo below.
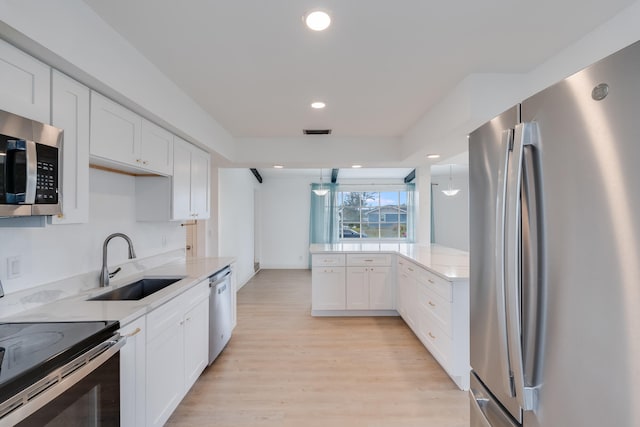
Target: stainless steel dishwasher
(219, 312)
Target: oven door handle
(36, 396)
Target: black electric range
(30, 351)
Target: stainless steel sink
(137, 290)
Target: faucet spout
(104, 274)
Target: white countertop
(77, 308)
(451, 264)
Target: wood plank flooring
(285, 368)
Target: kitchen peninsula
(427, 285)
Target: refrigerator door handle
(524, 134)
(500, 257)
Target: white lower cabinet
(437, 311)
(133, 373)
(177, 351)
(369, 288)
(328, 288)
(196, 340)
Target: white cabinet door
(381, 295)
(190, 187)
(165, 369)
(199, 183)
(115, 132)
(181, 187)
(328, 288)
(25, 84)
(70, 112)
(156, 149)
(132, 374)
(196, 342)
(357, 288)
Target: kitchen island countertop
(451, 264)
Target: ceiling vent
(316, 131)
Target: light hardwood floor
(283, 367)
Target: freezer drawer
(485, 410)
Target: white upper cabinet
(200, 183)
(156, 151)
(190, 181)
(115, 131)
(124, 140)
(186, 195)
(25, 84)
(70, 112)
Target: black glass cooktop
(30, 351)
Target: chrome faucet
(105, 275)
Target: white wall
(58, 251)
(285, 204)
(451, 213)
(235, 219)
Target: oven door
(85, 392)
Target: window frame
(363, 224)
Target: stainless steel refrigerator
(555, 254)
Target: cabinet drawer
(436, 341)
(196, 294)
(436, 284)
(164, 317)
(322, 260)
(364, 260)
(437, 307)
(410, 269)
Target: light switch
(14, 267)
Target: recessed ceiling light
(318, 105)
(433, 156)
(356, 166)
(278, 166)
(317, 20)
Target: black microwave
(29, 167)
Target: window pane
(372, 215)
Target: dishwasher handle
(219, 277)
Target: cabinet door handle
(431, 304)
(409, 268)
(430, 281)
(136, 331)
(188, 319)
(144, 162)
(181, 322)
(432, 336)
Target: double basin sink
(137, 290)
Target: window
(379, 215)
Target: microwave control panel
(47, 180)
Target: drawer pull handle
(136, 331)
(368, 260)
(409, 268)
(431, 281)
(432, 336)
(431, 304)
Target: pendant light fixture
(450, 191)
(321, 191)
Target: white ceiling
(382, 64)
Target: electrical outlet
(14, 267)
